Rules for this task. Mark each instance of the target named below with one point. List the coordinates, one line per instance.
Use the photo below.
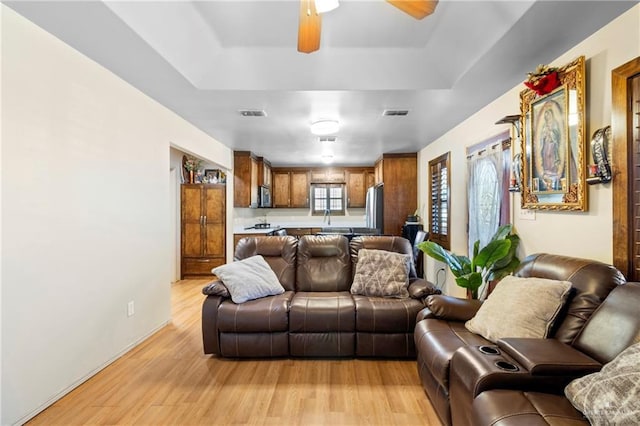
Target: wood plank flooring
(168, 380)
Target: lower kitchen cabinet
(203, 229)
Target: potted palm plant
(490, 263)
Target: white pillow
(611, 396)
(520, 307)
(381, 273)
(248, 279)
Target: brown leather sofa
(316, 316)
(453, 370)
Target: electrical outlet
(526, 214)
(130, 309)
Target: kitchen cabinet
(358, 180)
(238, 237)
(399, 173)
(264, 172)
(290, 188)
(203, 230)
(298, 232)
(245, 179)
(327, 175)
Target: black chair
(418, 255)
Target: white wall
(85, 215)
(587, 234)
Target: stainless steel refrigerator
(374, 208)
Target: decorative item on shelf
(600, 172)
(515, 184)
(192, 164)
(491, 263)
(215, 176)
(543, 80)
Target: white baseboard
(89, 375)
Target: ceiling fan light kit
(323, 6)
(310, 22)
(325, 127)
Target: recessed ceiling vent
(327, 139)
(395, 112)
(253, 113)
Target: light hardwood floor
(168, 380)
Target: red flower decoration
(544, 84)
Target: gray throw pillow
(612, 395)
(381, 273)
(248, 279)
(520, 307)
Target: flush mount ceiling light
(327, 158)
(325, 127)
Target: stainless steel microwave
(265, 196)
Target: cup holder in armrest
(489, 350)
(507, 366)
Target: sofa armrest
(216, 288)
(452, 308)
(420, 288)
(210, 340)
(548, 357)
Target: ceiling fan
(310, 23)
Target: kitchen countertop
(240, 229)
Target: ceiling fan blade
(309, 27)
(416, 8)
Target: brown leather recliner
(613, 327)
(317, 315)
(441, 331)
(257, 328)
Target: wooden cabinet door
(254, 183)
(266, 175)
(281, 189)
(370, 179)
(214, 220)
(192, 220)
(356, 189)
(378, 172)
(299, 189)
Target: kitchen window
(328, 197)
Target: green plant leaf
(436, 251)
(502, 232)
(498, 274)
(471, 282)
(515, 242)
(491, 253)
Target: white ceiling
(206, 60)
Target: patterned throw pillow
(611, 396)
(381, 273)
(520, 307)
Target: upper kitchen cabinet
(327, 175)
(399, 173)
(264, 172)
(245, 179)
(358, 180)
(291, 188)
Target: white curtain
(484, 195)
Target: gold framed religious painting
(553, 123)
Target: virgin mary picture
(550, 146)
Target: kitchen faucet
(327, 216)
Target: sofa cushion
(612, 395)
(385, 315)
(323, 263)
(322, 311)
(278, 251)
(267, 314)
(520, 307)
(248, 279)
(381, 273)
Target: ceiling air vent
(253, 113)
(327, 139)
(395, 112)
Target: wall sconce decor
(600, 172)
